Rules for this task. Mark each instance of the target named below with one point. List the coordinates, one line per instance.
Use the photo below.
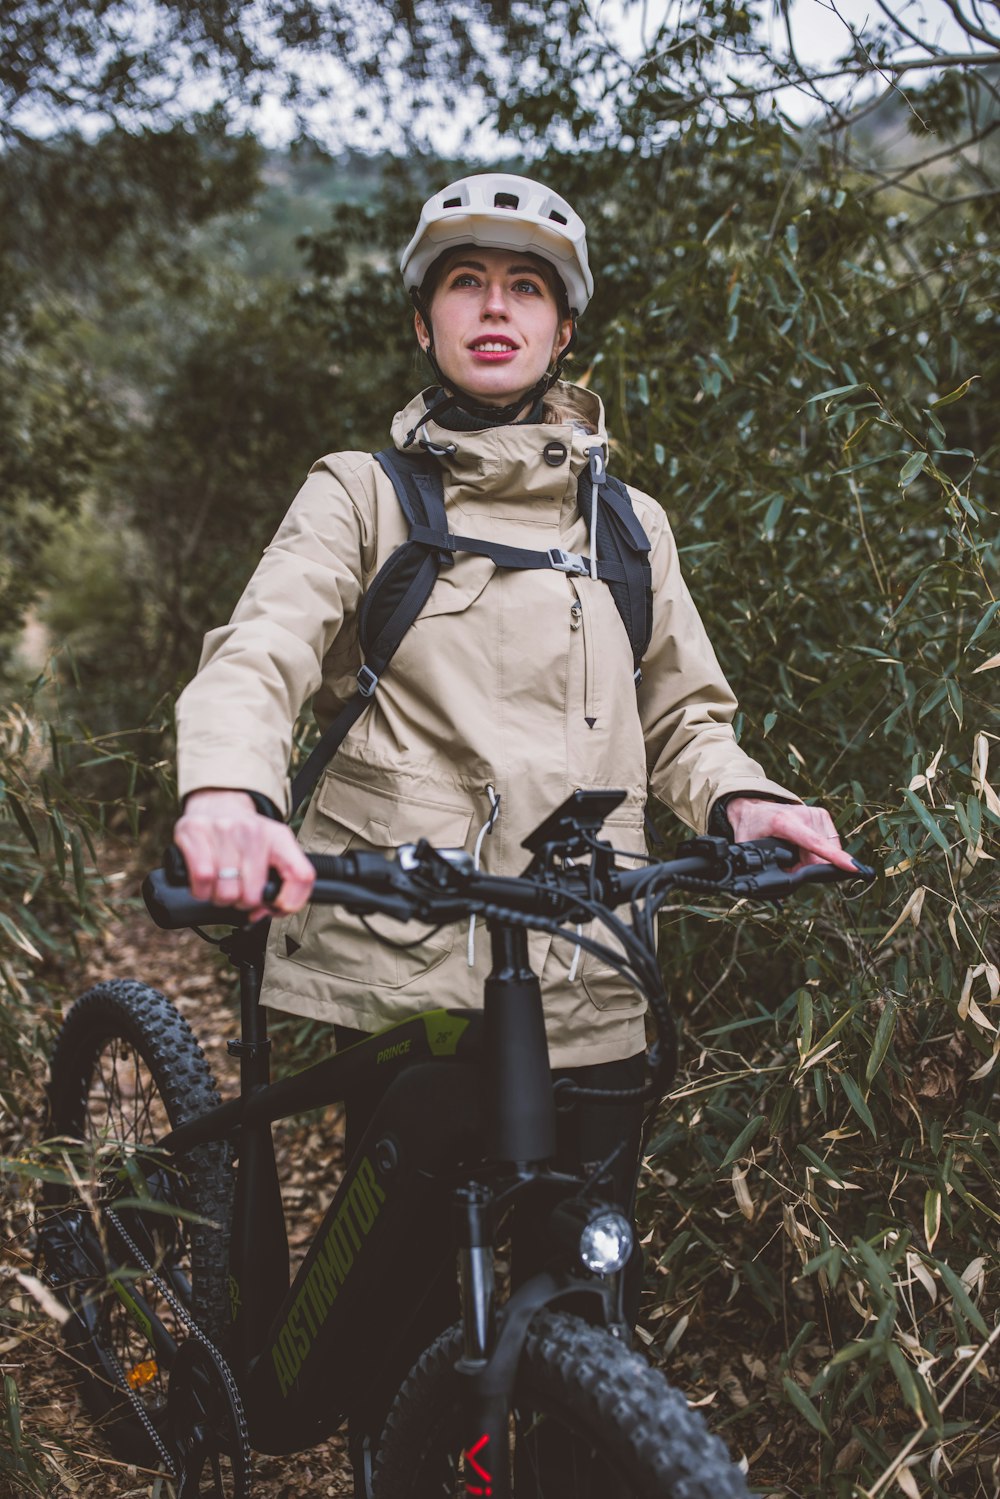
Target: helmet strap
(453, 395)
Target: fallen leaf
(676, 1333)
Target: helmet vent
(560, 218)
(506, 200)
(452, 203)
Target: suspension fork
(485, 1412)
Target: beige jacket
(517, 681)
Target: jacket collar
(509, 462)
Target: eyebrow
(513, 270)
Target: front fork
(485, 1411)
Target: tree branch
(905, 30)
(970, 28)
(946, 151)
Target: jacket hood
(534, 460)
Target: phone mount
(570, 832)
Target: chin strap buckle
(568, 562)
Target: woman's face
(496, 322)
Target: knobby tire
(615, 1428)
(126, 1067)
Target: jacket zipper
(582, 620)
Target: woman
(510, 690)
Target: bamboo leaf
(17, 936)
(856, 1099)
(928, 821)
(985, 622)
(911, 911)
(837, 390)
(823, 1167)
(13, 1404)
(883, 1038)
(963, 1301)
(904, 1377)
(24, 823)
(913, 466)
(800, 1400)
(743, 1139)
(953, 395)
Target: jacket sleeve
(235, 719)
(685, 703)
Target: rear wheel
(590, 1419)
(126, 1069)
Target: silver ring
(228, 874)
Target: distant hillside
(299, 189)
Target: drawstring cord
(487, 827)
(577, 949)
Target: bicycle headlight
(606, 1243)
(594, 1234)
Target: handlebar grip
(172, 906)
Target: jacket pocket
(351, 815)
(604, 985)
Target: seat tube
(521, 1116)
(253, 1047)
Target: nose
(494, 300)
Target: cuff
(262, 804)
(719, 825)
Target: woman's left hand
(810, 829)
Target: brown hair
(558, 409)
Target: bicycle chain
(184, 1316)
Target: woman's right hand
(229, 848)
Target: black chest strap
(404, 583)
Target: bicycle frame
(465, 1123)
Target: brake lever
(775, 883)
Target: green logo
(444, 1032)
(330, 1270)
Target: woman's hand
(229, 848)
(810, 829)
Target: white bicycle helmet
(502, 212)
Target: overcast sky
(822, 31)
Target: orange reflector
(142, 1374)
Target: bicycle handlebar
(441, 886)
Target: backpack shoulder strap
(621, 537)
(398, 592)
(419, 486)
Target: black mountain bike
(192, 1346)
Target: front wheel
(590, 1418)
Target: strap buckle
(568, 562)
(367, 682)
